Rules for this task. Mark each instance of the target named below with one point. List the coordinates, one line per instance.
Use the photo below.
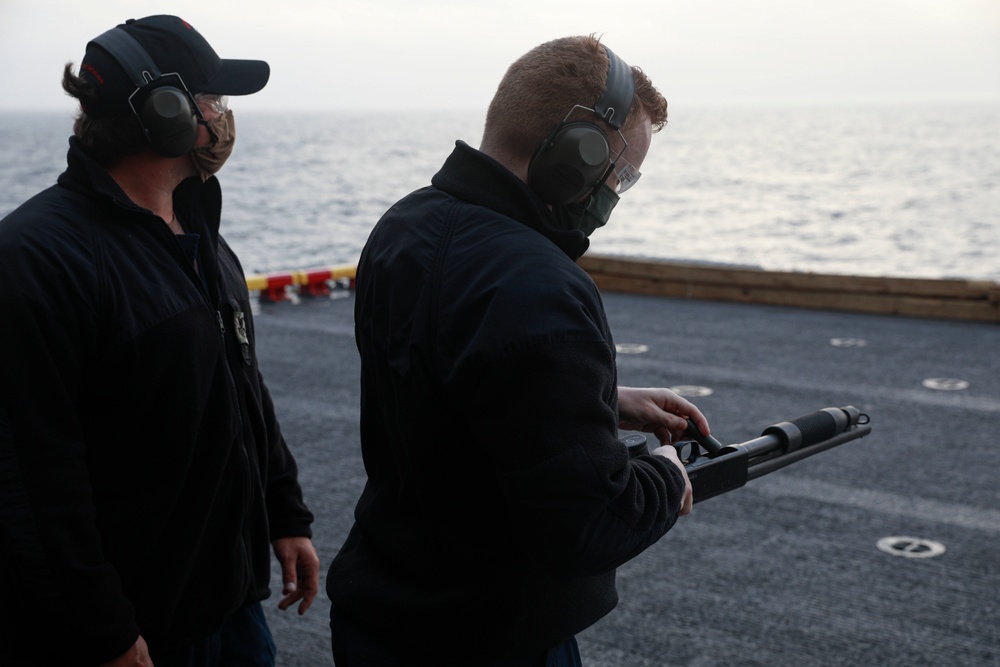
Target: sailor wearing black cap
(143, 476)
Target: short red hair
(541, 87)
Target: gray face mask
(588, 215)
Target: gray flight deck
(785, 571)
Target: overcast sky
(439, 54)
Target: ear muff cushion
(170, 121)
(568, 164)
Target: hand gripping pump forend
(714, 468)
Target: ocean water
(910, 191)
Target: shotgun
(714, 468)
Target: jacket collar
(478, 179)
(196, 202)
(86, 176)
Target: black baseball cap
(175, 48)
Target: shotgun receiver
(714, 468)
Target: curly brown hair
(541, 86)
(106, 140)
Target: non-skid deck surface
(785, 571)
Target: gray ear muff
(575, 156)
(568, 163)
(170, 123)
(167, 113)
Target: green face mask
(589, 215)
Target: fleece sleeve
(57, 581)
(287, 513)
(547, 415)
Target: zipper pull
(222, 325)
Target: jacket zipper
(244, 456)
(203, 288)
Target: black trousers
(353, 648)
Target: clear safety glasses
(217, 103)
(625, 174)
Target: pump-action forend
(714, 468)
